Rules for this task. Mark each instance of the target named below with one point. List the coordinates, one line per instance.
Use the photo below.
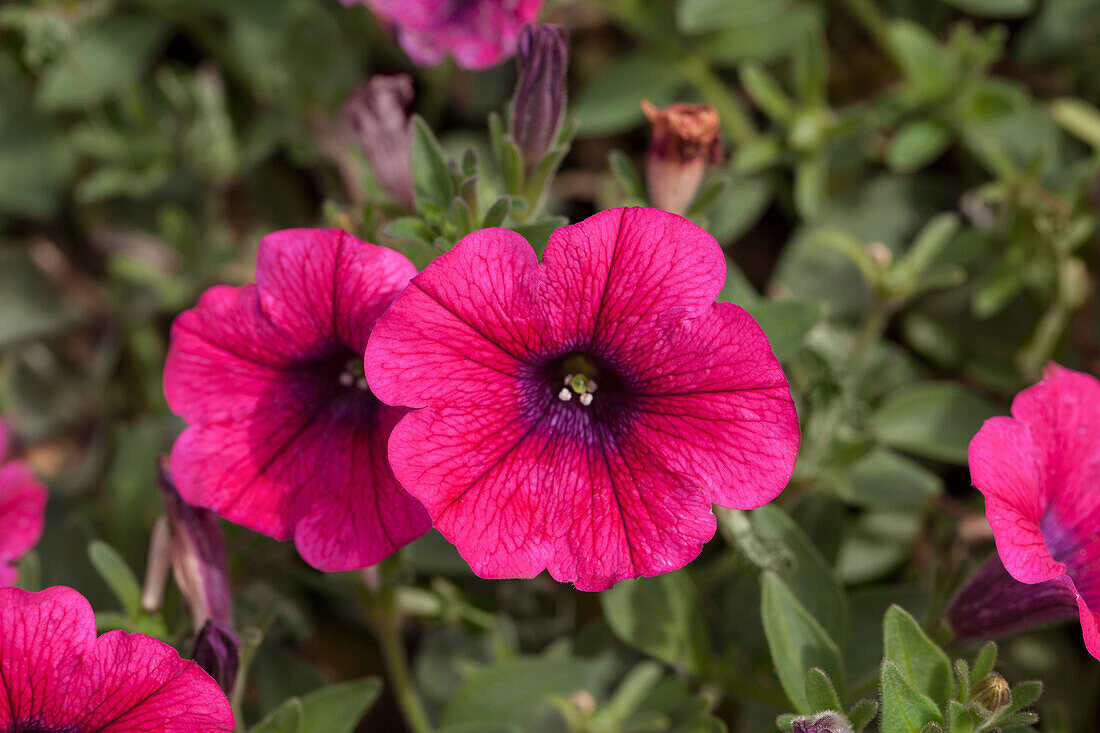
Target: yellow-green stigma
(579, 383)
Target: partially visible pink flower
(55, 675)
(1039, 471)
(22, 502)
(284, 435)
(582, 415)
(477, 33)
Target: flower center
(578, 380)
(334, 384)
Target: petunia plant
(547, 366)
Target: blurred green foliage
(909, 208)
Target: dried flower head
(686, 139)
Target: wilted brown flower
(686, 138)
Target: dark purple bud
(827, 722)
(377, 113)
(218, 651)
(686, 139)
(198, 555)
(539, 104)
(993, 603)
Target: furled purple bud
(992, 603)
(218, 651)
(377, 113)
(539, 103)
(827, 722)
(686, 139)
(198, 556)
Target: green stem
(384, 619)
(873, 20)
(870, 333)
(736, 121)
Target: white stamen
(586, 399)
(591, 385)
(568, 380)
(361, 384)
(565, 395)
(347, 379)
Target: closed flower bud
(993, 603)
(993, 693)
(198, 556)
(217, 650)
(827, 722)
(377, 115)
(686, 138)
(539, 103)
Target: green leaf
(739, 206)
(862, 713)
(924, 62)
(411, 229)
(786, 323)
(30, 306)
(809, 186)
(118, 576)
(885, 479)
(612, 101)
(661, 617)
(994, 8)
(627, 176)
(480, 728)
(905, 709)
(339, 708)
(796, 640)
(34, 159)
(920, 660)
(105, 61)
(958, 718)
(1025, 694)
(933, 419)
(820, 693)
(701, 16)
(810, 577)
(432, 181)
(1079, 118)
(932, 239)
(287, 718)
(513, 691)
(768, 94)
(767, 39)
(916, 145)
(496, 214)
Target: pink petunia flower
(22, 503)
(1039, 471)
(55, 675)
(284, 435)
(582, 415)
(477, 33)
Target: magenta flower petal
(581, 415)
(477, 33)
(22, 507)
(284, 436)
(57, 676)
(1038, 471)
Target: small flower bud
(539, 102)
(827, 722)
(217, 650)
(686, 138)
(993, 693)
(377, 115)
(198, 555)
